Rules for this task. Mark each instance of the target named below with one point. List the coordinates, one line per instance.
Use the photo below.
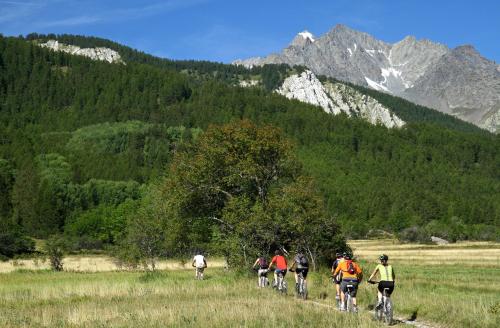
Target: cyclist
(387, 278)
(263, 268)
(281, 264)
(301, 264)
(351, 275)
(199, 263)
(339, 258)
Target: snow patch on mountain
(374, 85)
(99, 53)
(336, 98)
(307, 35)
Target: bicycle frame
(199, 273)
(302, 287)
(281, 283)
(385, 311)
(349, 306)
(263, 278)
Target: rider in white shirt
(199, 263)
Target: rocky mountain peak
(303, 39)
(421, 71)
(466, 50)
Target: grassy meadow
(464, 291)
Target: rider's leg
(342, 297)
(275, 277)
(296, 277)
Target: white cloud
(123, 14)
(32, 15)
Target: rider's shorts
(283, 271)
(262, 272)
(354, 283)
(303, 270)
(386, 284)
(200, 269)
(337, 279)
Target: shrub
(55, 247)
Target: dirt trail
(397, 320)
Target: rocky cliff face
(104, 54)
(461, 83)
(491, 120)
(458, 81)
(336, 98)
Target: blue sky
(224, 30)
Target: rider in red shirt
(281, 264)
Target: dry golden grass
(462, 293)
(93, 263)
(469, 254)
(165, 299)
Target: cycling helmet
(347, 256)
(384, 258)
(338, 254)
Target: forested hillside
(269, 76)
(81, 141)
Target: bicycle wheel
(298, 288)
(349, 305)
(284, 287)
(304, 290)
(379, 314)
(388, 311)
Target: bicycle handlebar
(372, 282)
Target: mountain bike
(348, 299)
(301, 289)
(199, 273)
(280, 285)
(263, 281)
(385, 310)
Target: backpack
(350, 267)
(303, 261)
(335, 264)
(263, 263)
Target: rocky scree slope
(98, 53)
(455, 81)
(336, 98)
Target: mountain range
(297, 82)
(456, 81)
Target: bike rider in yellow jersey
(387, 278)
